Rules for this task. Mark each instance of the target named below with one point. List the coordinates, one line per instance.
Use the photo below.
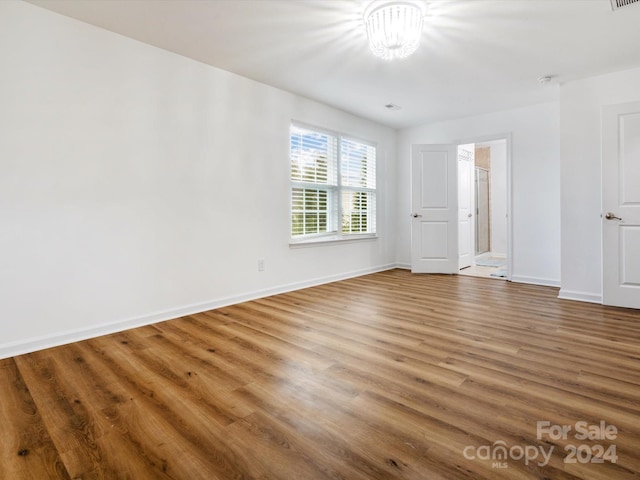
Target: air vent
(616, 4)
(392, 106)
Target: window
(333, 185)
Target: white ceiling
(476, 56)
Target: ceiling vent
(616, 4)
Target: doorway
(441, 211)
(489, 200)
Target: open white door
(434, 201)
(466, 202)
(621, 205)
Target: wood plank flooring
(386, 376)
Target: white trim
(547, 282)
(47, 341)
(580, 296)
(315, 128)
(332, 240)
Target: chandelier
(394, 28)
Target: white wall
(498, 197)
(137, 185)
(535, 172)
(581, 105)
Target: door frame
(470, 204)
(507, 138)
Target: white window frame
(334, 213)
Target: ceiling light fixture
(394, 28)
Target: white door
(621, 205)
(434, 202)
(466, 231)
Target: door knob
(612, 216)
(415, 215)
(469, 215)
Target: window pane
(313, 156)
(310, 211)
(358, 212)
(358, 164)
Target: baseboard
(580, 296)
(547, 282)
(563, 294)
(47, 341)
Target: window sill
(331, 240)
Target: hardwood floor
(386, 376)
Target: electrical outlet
(261, 265)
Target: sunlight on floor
(487, 267)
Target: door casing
(466, 206)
